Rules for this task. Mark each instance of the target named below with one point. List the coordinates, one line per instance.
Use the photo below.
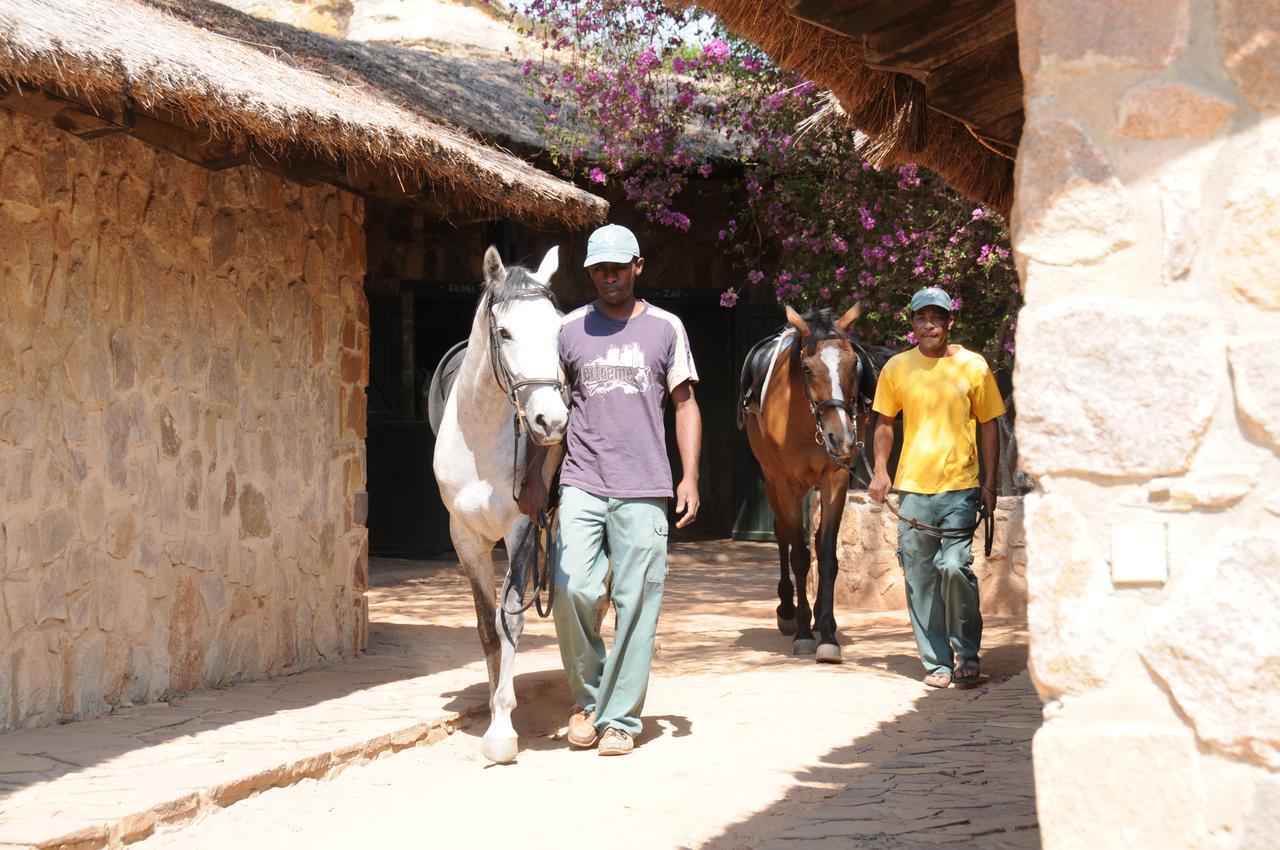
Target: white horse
(511, 371)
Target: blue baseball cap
(930, 296)
(612, 243)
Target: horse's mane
(518, 283)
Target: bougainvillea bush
(651, 98)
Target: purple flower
(841, 271)
(911, 337)
(755, 275)
(595, 175)
(824, 293)
(728, 298)
(717, 49)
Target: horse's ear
(796, 320)
(851, 315)
(548, 267)
(494, 271)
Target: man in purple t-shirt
(624, 357)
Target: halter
(853, 408)
(506, 379)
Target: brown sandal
(938, 679)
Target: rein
(862, 405)
(542, 573)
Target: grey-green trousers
(942, 591)
(613, 685)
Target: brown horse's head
(829, 372)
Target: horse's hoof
(804, 646)
(829, 653)
(500, 750)
(787, 626)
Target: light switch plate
(1139, 553)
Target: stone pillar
(1147, 233)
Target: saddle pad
(759, 359)
(442, 383)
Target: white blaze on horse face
(839, 441)
(533, 354)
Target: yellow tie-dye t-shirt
(941, 399)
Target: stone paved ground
(745, 746)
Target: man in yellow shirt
(941, 390)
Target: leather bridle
(505, 377)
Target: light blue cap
(612, 243)
(931, 296)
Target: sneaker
(615, 742)
(582, 729)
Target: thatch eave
(873, 100)
(117, 56)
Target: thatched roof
(236, 76)
(886, 106)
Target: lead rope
(985, 520)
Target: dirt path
(744, 745)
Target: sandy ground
(741, 738)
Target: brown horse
(812, 423)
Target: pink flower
(755, 275)
(717, 49)
(595, 175)
(728, 298)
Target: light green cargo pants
(942, 591)
(612, 684)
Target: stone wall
(1147, 233)
(182, 356)
(870, 578)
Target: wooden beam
(938, 34)
(852, 17)
(1006, 130)
(980, 88)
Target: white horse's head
(525, 342)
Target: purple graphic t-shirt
(621, 373)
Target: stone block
(1171, 110)
(222, 382)
(1223, 669)
(56, 529)
(1102, 785)
(18, 477)
(1262, 824)
(1070, 206)
(1249, 33)
(1097, 36)
(1257, 385)
(121, 534)
(1095, 376)
(51, 592)
(20, 186)
(1198, 491)
(122, 359)
(1248, 236)
(1074, 638)
(254, 516)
